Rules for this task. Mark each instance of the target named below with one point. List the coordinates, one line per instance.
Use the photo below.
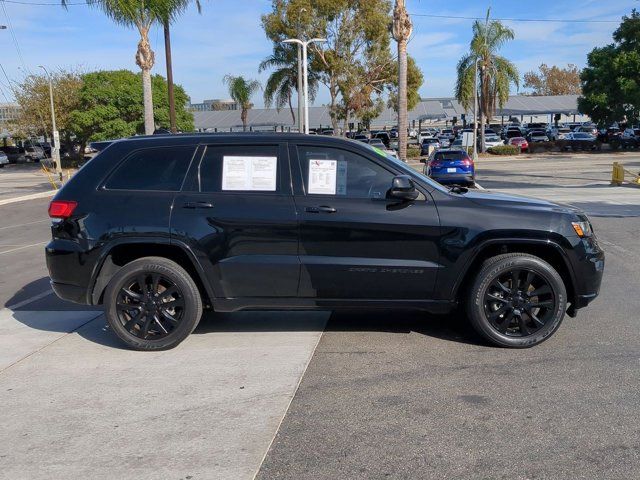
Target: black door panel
(358, 245)
(249, 239)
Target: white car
(4, 160)
(492, 141)
(557, 133)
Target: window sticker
(249, 173)
(341, 181)
(322, 177)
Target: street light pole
(55, 148)
(305, 79)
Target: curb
(24, 198)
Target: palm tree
(241, 90)
(284, 79)
(401, 31)
(175, 9)
(496, 72)
(139, 14)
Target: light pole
(55, 152)
(305, 79)
(299, 49)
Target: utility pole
(55, 148)
(401, 31)
(172, 102)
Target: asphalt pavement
(385, 395)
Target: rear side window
(161, 169)
(240, 168)
(449, 156)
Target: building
(212, 105)
(430, 111)
(8, 112)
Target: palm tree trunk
(243, 116)
(403, 114)
(149, 124)
(145, 58)
(401, 31)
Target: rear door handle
(320, 209)
(197, 205)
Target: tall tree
(110, 106)
(141, 15)
(496, 72)
(32, 94)
(611, 79)
(554, 80)
(355, 59)
(401, 30)
(241, 90)
(283, 81)
(415, 80)
(174, 10)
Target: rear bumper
(453, 178)
(70, 293)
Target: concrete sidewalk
(76, 405)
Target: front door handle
(320, 209)
(197, 205)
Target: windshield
(407, 169)
(581, 135)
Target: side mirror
(402, 188)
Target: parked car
(4, 160)
(378, 143)
(156, 228)
(360, 137)
(492, 141)
(557, 133)
(590, 129)
(450, 166)
(445, 141)
(384, 136)
(520, 142)
(34, 153)
(14, 154)
(512, 132)
(580, 141)
(537, 136)
(427, 142)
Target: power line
(554, 20)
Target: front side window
(337, 172)
(240, 168)
(159, 168)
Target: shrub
(504, 150)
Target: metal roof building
(430, 110)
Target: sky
(227, 39)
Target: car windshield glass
(396, 162)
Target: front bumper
(588, 272)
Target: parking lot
(390, 394)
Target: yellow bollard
(617, 175)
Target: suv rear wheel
(517, 300)
(152, 304)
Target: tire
(166, 314)
(517, 319)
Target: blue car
(451, 166)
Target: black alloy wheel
(517, 300)
(150, 306)
(152, 303)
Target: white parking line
(23, 247)
(29, 300)
(25, 224)
(33, 196)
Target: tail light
(62, 208)
(435, 163)
(467, 162)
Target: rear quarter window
(154, 168)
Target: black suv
(158, 228)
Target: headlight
(582, 229)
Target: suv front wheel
(152, 304)
(517, 300)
